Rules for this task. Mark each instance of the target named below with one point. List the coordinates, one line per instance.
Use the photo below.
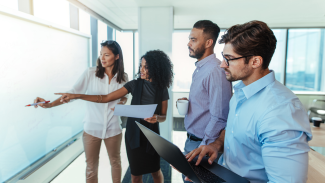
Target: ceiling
(276, 13)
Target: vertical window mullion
(285, 57)
(94, 38)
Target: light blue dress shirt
(267, 133)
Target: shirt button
(197, 71)
(224, 163)
(232, 131)
(227, 147)
(236, 114)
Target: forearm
(219, 142)
(94, 98)
(56, 103)
(213, 130)
(161, 118)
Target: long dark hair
(118, 64)
(160, 68)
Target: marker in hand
(37, 103)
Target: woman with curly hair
(155, 76)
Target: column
(156, 25)
(94, 40)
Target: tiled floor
(75, 173)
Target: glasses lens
(226, 60)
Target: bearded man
(210, 90)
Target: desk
(318, 135)
(316, 167)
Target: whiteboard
(36, 60)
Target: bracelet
(100, 98)
(97, 99)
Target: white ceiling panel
(125, 3)
(276, 13)
(125, 11)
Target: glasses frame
(227, 60)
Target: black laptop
(203, 173)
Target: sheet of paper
(135, 111)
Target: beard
(198, 53)
(244, 73)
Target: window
(84, 22)
(305, 59)
(9, 4)
(278, 59)
(183, 64)
(56, 11)
(136, 53)
(102, 34)
(125, 39)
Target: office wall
(37, 58)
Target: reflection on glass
(125, 39)
(305, 59)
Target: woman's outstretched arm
(95, 98)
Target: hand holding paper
(135, 111)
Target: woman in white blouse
(100, 123)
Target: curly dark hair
(160, 68)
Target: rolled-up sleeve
(283, 134)
(220, 91)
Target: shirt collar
(256, 86)
(205, 60)
(113, 76)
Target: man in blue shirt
(267, 130)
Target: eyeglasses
(227, 60)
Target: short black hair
(160, 68)
(211, 29)
(252, 38)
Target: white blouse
(99, 120)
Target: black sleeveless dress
(142, 157)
